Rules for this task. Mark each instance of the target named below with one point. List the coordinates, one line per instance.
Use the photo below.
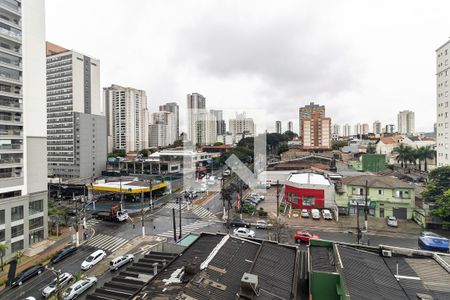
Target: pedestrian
(134, 226)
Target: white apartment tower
(23, 163)
(358, 129)
(202, 124)
(76, 123)
(405, 122)
(377, 127)
(175, 109)
(278, 127)
(126, 118)
(290, 126)
(347, 130)
(336, 130)
(443, 107)
(163, 129)
(365, 128)
(241, 125)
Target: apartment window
(36, 236)
(17, 246)
(293, 198)
(380, 192)
(358, 191)
(2, 217)
(36, 207)
(17, 231)
(402, 194)
(2, 235)
(36, 223)
(16, 213)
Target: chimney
(155, 268)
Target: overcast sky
(364, 60)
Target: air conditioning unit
(386, 253)
(249, 286)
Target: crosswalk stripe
(98, 240)
(106, 242)
(118, 246)
(186, 228)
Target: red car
(304, 236)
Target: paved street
(112, 237)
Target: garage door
(400, 213)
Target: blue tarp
(434, 243)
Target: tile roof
(376, 181)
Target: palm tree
(427, 152)
(403, 154)
(3, 248)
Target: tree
(56, 211)
(443, 206)
(273, 140)
(403, 154)
(144, 152)
(425, 153)
(116, 153)
(3, 248)
(290, 135)
(178, 143)
(439, 183)
(337, 145)
(371, 149)
(282, 148)
(247, 142)
(218, 144)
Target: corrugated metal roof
(322, 259)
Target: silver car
(79, 288)
(117, 262)
(64, 279)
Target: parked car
(117, 262)
(248, 202)
(267, 185)
(327, 214)
(244, 232)
(93, 259)
(79, 288)
(239, 223)
(27, 274)
(315, 214)
(392, 221)
(263, 224)
(253, 199)
(304, 236)
(305, 213)
(258, 196)
(64, 279)
(64, 253)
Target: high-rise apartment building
(307, 111)
(336, 130)
(347, 130)
(76, 122)
(23, 155)
(173, 108)
(220, 122)
(389, 128)
(126, 118)
(405, 122)
(358, 129)
(443, 107)
(316, 133)
(242, 126)
(202, 124)
(290, 126)
(278, 127)
(163, 129)
(365, 128)
(377, 127)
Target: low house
(386, 196)
(309, 190)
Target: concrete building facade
(290, 126)
(73, 94)
(162, 131)
(376, 127)
(405, 122)
(23, 155)
(220, 122)
(347, 130)
(442, 105)
(241, 125)
(175, 109)
(126, 118)
(278, 127)
(307, 110)
(202, 124)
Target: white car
(79, 288)
(244, 232)
(263, 225)
(203, 188)
(305, 213)
(117, 262)
(93, 259)
(392, 221)
(64, 279)
(261, 197)
(327, 214)
(315, 214)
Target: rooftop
(309, 178)
(376, 181)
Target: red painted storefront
(291, 193)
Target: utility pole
(174, 225)
(77, 212)
(278, 211)
(121, 193)
(151, 193)
(57, 273)
(358, 230)
(142, 212)
(366, 209)
(179, 203)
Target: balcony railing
(11, 132)
(4, 161)
(11, 6)
(10, 33)
(11, 147)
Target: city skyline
(169, 74)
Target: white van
(327, 214)
(315, 214)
